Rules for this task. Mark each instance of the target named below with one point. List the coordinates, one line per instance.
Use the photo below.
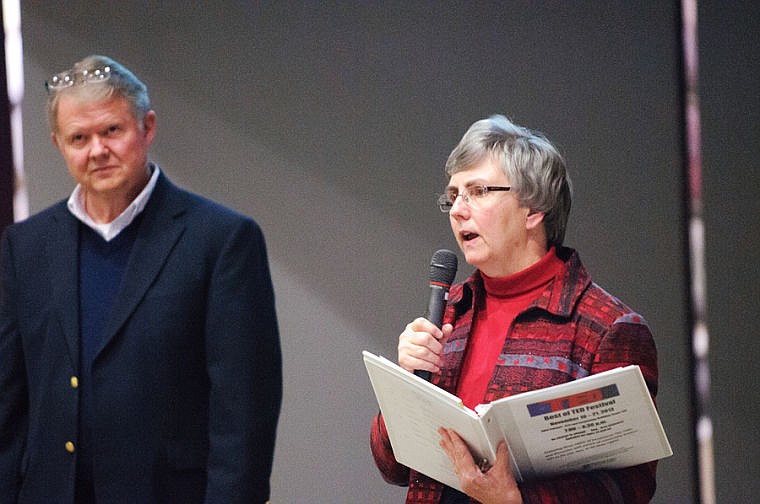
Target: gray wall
(330, 123)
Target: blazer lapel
(161, 227)
(62, 252)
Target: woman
(529, 317)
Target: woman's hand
(493, 486)
(419, 346)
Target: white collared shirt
(110, 230)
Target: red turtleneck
(506, 297)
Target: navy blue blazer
(187, 383)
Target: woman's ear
(533, 219)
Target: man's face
(104, 146)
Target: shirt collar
(110, 230)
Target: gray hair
(120, 83)
(535, 168)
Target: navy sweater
(101, 269)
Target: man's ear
(149, 126)
(54, 138)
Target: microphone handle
(425, 375)
(437, 304)
(436, 307)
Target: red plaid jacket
(572, 330)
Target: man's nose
(98, 146)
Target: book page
(414, 410)
(605, 420)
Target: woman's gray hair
(535, 168)
(121, 82)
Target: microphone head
(443, 267)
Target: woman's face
(493, 234)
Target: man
(529, 317)
(139, 348)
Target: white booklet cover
(602, 421)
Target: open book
(606, 420)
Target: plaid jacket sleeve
(391, 470)
(628, 342)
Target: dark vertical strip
(695, 283)
(6, 153)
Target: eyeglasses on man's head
(79, 77)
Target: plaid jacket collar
(559, 298)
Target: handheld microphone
(443, 269)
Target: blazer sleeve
(14, 404)
(244, 365)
